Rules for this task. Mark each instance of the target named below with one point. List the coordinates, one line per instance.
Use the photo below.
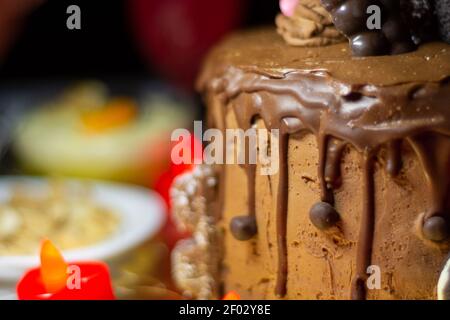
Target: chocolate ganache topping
(371, 104)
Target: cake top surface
(264, 50)
(366, 101)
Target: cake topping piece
(243, 227)
(419, 17)
(435, 229)
(306, 23)
(323, 215)
(443, 16)
(380, 27)
(369, 44)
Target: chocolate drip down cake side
(359, 207)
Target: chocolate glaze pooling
(369, 103)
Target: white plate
(141, 214)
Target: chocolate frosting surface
(265, 51)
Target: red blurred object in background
(175, 35)
(170, 233)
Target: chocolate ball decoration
(402, 47)
(243, 228)
(435, 229)
(350, 16)
(369, 44)
(323, 215)
(331, 4)
(394, 31)
(420, 18)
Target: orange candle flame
(53, 267)
(232, 295)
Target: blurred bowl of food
(88, 220)
(90, 130)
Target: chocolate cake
(363, 186)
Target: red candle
(57, 280)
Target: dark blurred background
(109, 42)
